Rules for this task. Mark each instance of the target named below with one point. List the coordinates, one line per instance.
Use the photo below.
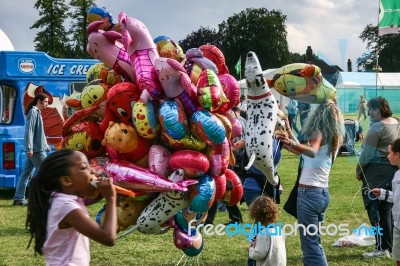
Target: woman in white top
(324, 131)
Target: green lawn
(138, 249)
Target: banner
(389, 17)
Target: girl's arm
(261, 248)
(298, 148)
(106, 233)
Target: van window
(7, 104)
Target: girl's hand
(106, 188)
(376, 192)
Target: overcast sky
(330, 27)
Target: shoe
(19, 203)
(377, 254)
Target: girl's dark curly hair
(263, 209)
(382, 105)
(41, 188)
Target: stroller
(353, 131)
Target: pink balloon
(237, 128)
(220, 186)
(219, 158)
(159, 158)
(231, 89)
(131, 176)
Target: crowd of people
(57, 214)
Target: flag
(238, 66)
(389, 17)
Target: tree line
(254, 29)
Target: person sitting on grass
(58, 220)
(268, 247)
(394, 197)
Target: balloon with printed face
(159, 158)
(173, 120)
(303, 82)
(190, 245)
(193, 163)
(188, 218)
(104, 73)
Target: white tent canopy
(5, 43)
(354, 80)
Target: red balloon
(231, 88)
(234, 188)
(220, 186)
(193, 163)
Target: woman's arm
(368, 151)
(298, 148)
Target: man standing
(304, 110)
(35, 145)
(292, 115)
(243, 107)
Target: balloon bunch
(159, 122)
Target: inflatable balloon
(262, 111)
(219, 156)
(195, 63)
(176, 84)
(120, 99)
(193, 163)
(207, 127)
(209, 91)
(142, 53)
(134, 177)
(144, 120)
(103, 45)
(186, 216)
(188, 142)
(159, 158)
(201, 195)
(237, 129)
(162, 208)
(190, 245)
(220, 186)
(166, 47)
(216, 56)
(234, 188)
(95, 94)
(122, 142)
(303, 82)
(173, 120)
(102, 72)
(231, 88)
(128, 211)
(85, 137)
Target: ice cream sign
(26, 65)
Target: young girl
(394, 197)
(57, 218)
(268, 248)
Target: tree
(200, 37)
(383, 51)
(78, 34)
(52, 39)
(258, 30)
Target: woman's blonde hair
(328, 120)
(263, 209)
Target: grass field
(138, 249)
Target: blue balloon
(173, 120)
(202, 194)
(207, 127)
